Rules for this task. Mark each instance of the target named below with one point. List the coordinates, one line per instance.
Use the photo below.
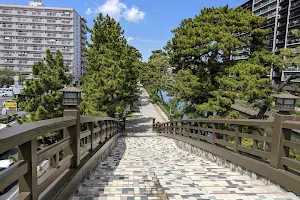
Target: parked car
(3, 94)
(4, 164)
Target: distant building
(27, 31)
(283, 17)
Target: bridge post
(237, 140)
(100, 124)
(279, 134)
(74, 133)
(213, 134)
(28, 182)
(91, 127)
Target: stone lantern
(71, 96)
(285, 102)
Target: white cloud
(113, 8)
(129, 39)
(88, 11)
(134, 15)
(119, 10)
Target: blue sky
(147, 23)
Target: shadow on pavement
(144, 101)
(140, 126)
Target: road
(12, 194)
(12, 191)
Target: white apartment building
(27, 31)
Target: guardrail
(268, 155)
(64, 155)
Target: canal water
(180, 106)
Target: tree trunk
(161, 96)
(262, 112)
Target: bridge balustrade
(265, 147)
(81, 139)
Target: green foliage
(112, 69)
(294, 155)
(13, 158)
(43, 100)
(155, 98)
(153, 74)
(6, 80)
(201, 52)
(5, 72)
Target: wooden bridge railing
(63, 155)
(264, 147)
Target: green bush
(298, 103)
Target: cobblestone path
(145, 166)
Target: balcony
(22, 12)
(22, 48)
(270, 15)
(7, 47)
(293, 41)
(261, 5)
(241, 57)
(290, 72)
(22, 33)
(295, 5)
(37, 27)
(6, 19)
(265, 10)
(294, 15)
(7, 11)
(9, 33)
(37, 41)
(7, 54)
(51, 14)
(7, 40)
(294, 23)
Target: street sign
(10, 104)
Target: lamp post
(71, 99)
(285, 102)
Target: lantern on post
(71, 96)
(285, 102)
(117, 115)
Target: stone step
(106, 190)
(123, 183)
(115, 197)
(99, 177)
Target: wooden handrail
(62, 155)
(279, 143)
(21, 134)
(244, 122)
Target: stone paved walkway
(145, 166)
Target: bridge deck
(146, 166)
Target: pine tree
(43, 100)
(154, 72)
(110, 81)
(201, 52)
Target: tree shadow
(144, 101)
(138, 126)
